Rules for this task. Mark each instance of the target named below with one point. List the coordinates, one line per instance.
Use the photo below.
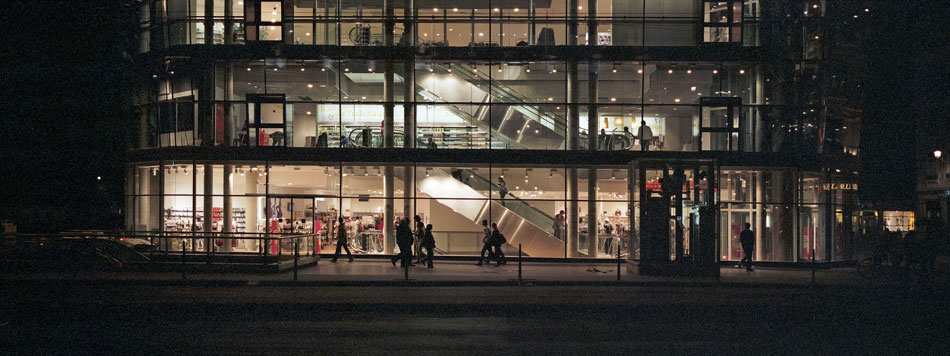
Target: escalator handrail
(558, 122)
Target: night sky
(66, 83)
(68, 72)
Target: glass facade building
(555, 118)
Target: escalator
(520, 124)
(520, 222)
(516, 118)
(478, 119)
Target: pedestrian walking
(419, 234)
(341, 242)
(747, 239)
(486, 244)
(404, 241)
(497, 240)
(428, 243)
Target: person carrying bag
(497, 240)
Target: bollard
(618, 261)
(264, 246)
(182, 259)
(209, 250)
(296, 255)
(519, 263)
(814, 266)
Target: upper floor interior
(462, 23)
(625, 105)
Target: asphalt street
(85, 317)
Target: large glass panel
(271, 19)
(453, 126)
(248, 78)
(613, 219)
(363, 182)
(618, 83)
(540, 126)
(303, 33)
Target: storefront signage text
(840, 186)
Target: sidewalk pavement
(382, 272)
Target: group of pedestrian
(644, 135)
(424, 243)
(421, 239)
(492, 241)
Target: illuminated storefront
(276, 117)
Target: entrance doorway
(303, 214)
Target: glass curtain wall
(795, 215)
(334, 103)
(459, 23)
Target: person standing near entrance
(367, 137)
(428, 243)
(645, 135)
(747, 239)
(417, 241)
(486, 244)
(341, 242)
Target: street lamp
(937, 154)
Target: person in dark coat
(747, 239)
(417, 240)
(404, 241)
(486, 244)
(341, 242)
(497, 239)
(428, 244)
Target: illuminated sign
(839, 186)
(655, 185)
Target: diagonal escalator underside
(520, 222)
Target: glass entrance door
(296, 215)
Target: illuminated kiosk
(679, 213)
